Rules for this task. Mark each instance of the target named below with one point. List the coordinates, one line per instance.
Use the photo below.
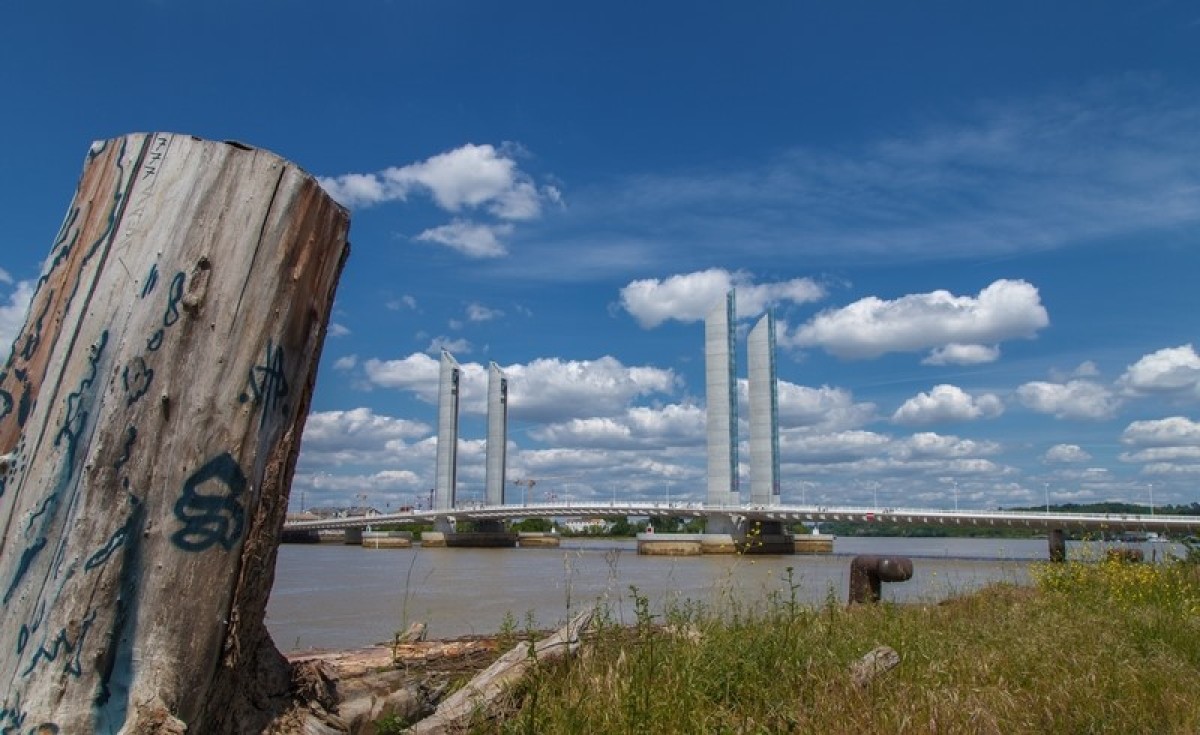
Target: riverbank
(1088, 647)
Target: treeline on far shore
(918, 530)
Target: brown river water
(333, 596)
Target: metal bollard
(1057, 540)
(869, 572)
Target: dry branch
(482, 692)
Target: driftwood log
(480, 695)
(151, 412)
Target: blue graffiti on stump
(50, 650)
(216, 516)
(268, 383)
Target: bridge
(739, 514)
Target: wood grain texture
(152, 407)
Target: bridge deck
(1100, 522)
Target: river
(333, 596)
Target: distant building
(587, 525)
(326, 512)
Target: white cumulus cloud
(871, 327)
(956, 354)
(1188, 454)
(948, 403)
(832, 448)
(641, 427)
(544, 390)
(357, 436)
(469, 177)
(461, 346)
(1173, 431)
(1065, 454)
(928, 445)
(1169, 446)
(1075, 399)
(470, 238)
(473, 178)
(824, 408)
(12, 311)
(481, 313)
(688, 297)
(1168, 370)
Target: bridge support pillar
(1057, 539)
(490, 527)
(722, 524)
(767, 537)
(353, 536)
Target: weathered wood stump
(151, 409)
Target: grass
(1091, 647)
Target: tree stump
(151, 410)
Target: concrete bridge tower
(497, 435)
(720, 372)
(446, 471)
(764, 412)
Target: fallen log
(150, 418)
(480, 694)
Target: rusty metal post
(1058, 545)
(869, 572)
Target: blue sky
(977, 225)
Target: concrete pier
(538, 540)
(669, 544)
(386, 540)
(433, 540)
(481, 540)
(473, 540)
(814, 543)
(773, 540)
(301, 536)
(717, 543)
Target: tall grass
(1089, 648)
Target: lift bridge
(740, 515)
